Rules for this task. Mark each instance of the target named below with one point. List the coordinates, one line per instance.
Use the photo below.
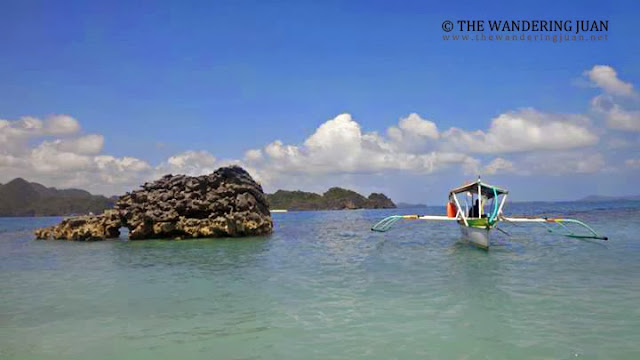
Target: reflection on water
(324, 286)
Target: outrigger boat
(476, 224)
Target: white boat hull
(476, 236)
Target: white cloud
(341, 131)
(125, 173)
(14, 134)
(46, 157)
(547, 163)
(73, 160)
(618, 96)
(414, 134)
(127, 163)
(87, 145)
(498, 166)
(61, 125)
(621, 119)
(615, 115)
(340, 146)
(7, 161)
(414, 125)
(189, 163)
(524, 130)
(561, 163)
(27, 124)
(253, 155)
(606, 78)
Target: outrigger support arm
(460, 213)
(386, 223)
(594, 234)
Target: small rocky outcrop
(226, 203)
(84, 228)
(380, 201)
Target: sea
(323, 286)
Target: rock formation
(380, 201)
(226, 203)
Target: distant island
(333, 199)
(403, 205)
(22, 198)
(596, 198)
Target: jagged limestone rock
(84, 228)
(225, 203)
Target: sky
(312, 94)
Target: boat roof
(486, 189)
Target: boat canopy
(486, 189)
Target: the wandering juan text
(573, 26)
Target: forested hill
(334, 199)
(22, 198)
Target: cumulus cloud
(253, 155)
(413, 134)
(190, 163)
(127, 171)
(615, 115)
(340, 146)
(61, 125)
(55, 153)
(47, 157)
(28, 150)
(15, 134)
(606, 77)
(524, 130)
(413, 126)
(621, 119)
(499, 166)
(618, 96)
(87, 145)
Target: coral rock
(226, 203)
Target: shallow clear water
(325, 287)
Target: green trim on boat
(478, 223)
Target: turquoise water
(325, 287)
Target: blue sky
(158, 79)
